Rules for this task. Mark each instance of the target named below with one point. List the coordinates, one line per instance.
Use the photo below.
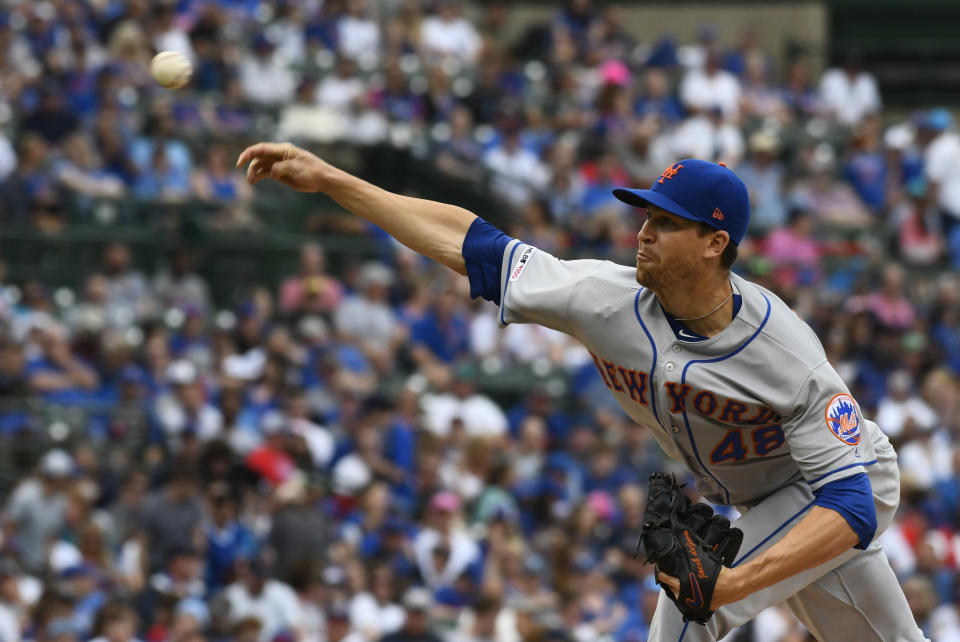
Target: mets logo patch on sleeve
(843, 419)
(522, 263)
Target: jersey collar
(683, 333)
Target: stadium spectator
(448, 34)
(704, 89)
(518, 173)
(171, 518)
(417, 604)
(445, 548)
(941, 153)
(178, 285)
(763, 174)
(848, 92)
(325, 292)
(265, 75)
(36, 510)
(256, 594)
(342, 89)
(183, 415)
(866, 168)
(216, 181)
(794, 253)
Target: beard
(660, 277)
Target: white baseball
(171, 69)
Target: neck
(696, 297)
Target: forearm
(80, 375)
(49, 382)
(820, 536)
(435, 230)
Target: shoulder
(606, 271)
(518, 254)
(604, 285)
(779, 328)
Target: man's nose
(645, 235)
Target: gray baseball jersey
(756, 413)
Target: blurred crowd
(319, 460)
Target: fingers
(255, 167)
(258, 169)
(251, 152)
(266, 151)
(669, 582)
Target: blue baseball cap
(700, 191)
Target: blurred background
(241, 414)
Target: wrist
(331, 180)
(732, 586)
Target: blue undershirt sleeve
(852, 497)
(482, 251)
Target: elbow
(459, 266)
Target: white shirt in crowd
(338, 92)
(849, 99)
(518, 173)
(945, 624)
(267, 80)
(372, 619)
(457, 38)
(463, 551)
(699, 137)
(9, 624)
(928, 459)
(319, 440)
(941, 162)
(892, 415)
(898, 550)
(485, 332)
(480, 416)
(174, 420)
(505, 627)
(358, 37)
(775, 623)
(369, 321)
(277, 607)
(175, 39)
(8, 157)
(702, 91)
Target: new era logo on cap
(700, 191)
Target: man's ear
(719, 240)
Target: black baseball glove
(686, 541)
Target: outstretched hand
(285, 163)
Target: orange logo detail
(717, 214)
(670, 172)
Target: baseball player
(726, 376)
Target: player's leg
(836, 606)
(762, 526)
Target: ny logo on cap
(670, 172)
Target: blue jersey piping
(506, 284)
(837, 470)
(653, 366)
